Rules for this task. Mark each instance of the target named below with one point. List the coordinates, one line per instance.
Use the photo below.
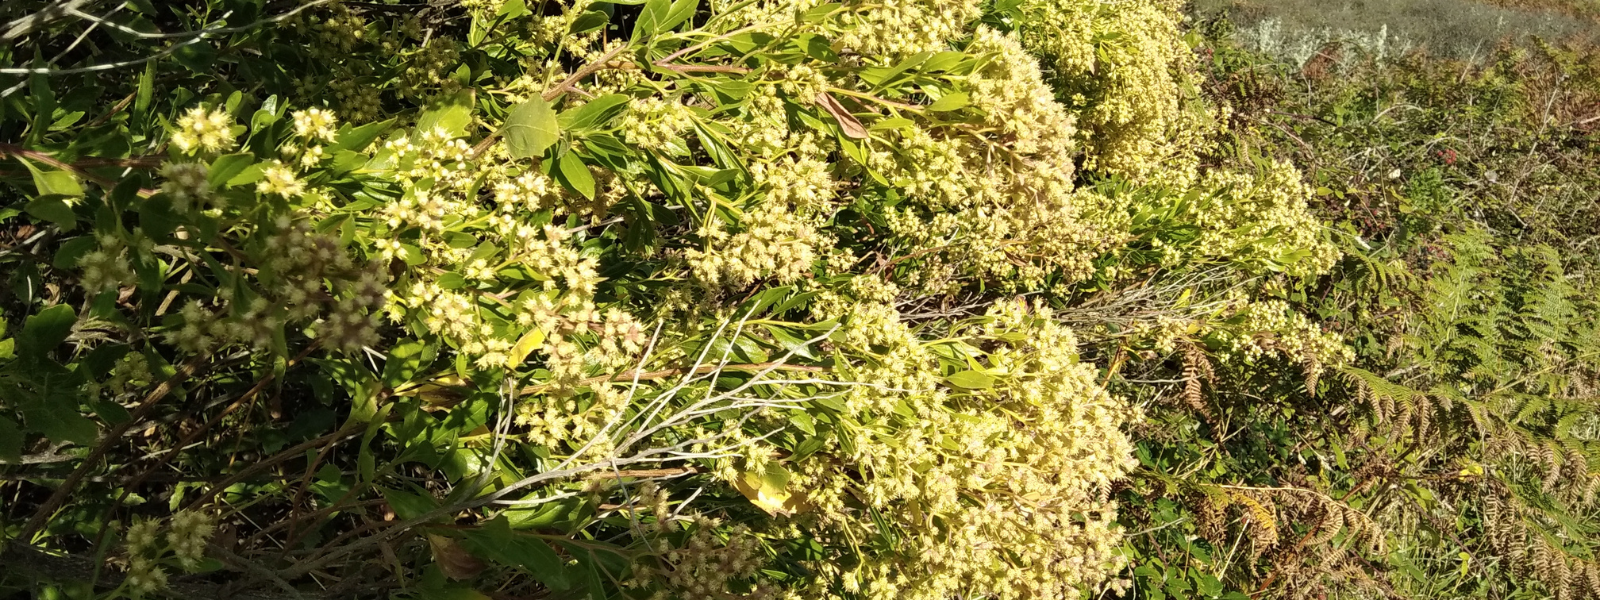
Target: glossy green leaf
(576, 175)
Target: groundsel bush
(659, 300)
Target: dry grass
(1462, 29)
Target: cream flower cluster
(1002, 208)
(655, 123)
(1255, 217)
(1146, 120)
(1021, 493)
(187, 535)
(203, 129)
(774, 243)
(315, 123)
(280, 180)
(894, 29)
(106, 267)
(187, 186)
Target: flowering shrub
(654, 300)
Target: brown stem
(646, 473)
(560, 88)
(80, 168)
(341, 433)
(703, 369)
(60, 496)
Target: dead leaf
(454, 562)
(775, 501)
(852, 127)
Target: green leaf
(800, 299)
(405, 361)
(452, 281)
(53, 209)
(10, 441)
(408, 506)
(514, 8)
(57, 418)
(1208, 584)
(681, 11)
(453, 115)
(593, 113)
(589, 21)
(46, 330)
(820, 12)
(530, 128)
(250, 174)
(71, 250)
(55, 182)
(495, 541)
(68, 427)
(146, 88)
(650, 17)
(950, 102)
(358, 138)
(576, 175)
(196, 56)
(229, 166)
(972, 380)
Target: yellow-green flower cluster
(656, 123)
(187, 186)
(315, 123)
(204, 129)
(774, 243)
(339, 32)
(1263, 217)
(145, 576)
(278, 179)
(893, 29)
(1273, 326)
(1000, 206)
(187, 536)
(1146, 120)
(997, 489)
(107, 267)
(804, 184)
(427, 71)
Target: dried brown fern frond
(1262, 525)
(1311, 368)
(1195, 366)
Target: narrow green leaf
(358, 138)
(681, 11)
(405, 361)
(495, 541)
(141, 101)
(407, 505)
(593, 113)
(948, 102)
(71, 250)
(10, 441)
(589, 21)
(650, 18)
(972, 380)
(577, 175)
